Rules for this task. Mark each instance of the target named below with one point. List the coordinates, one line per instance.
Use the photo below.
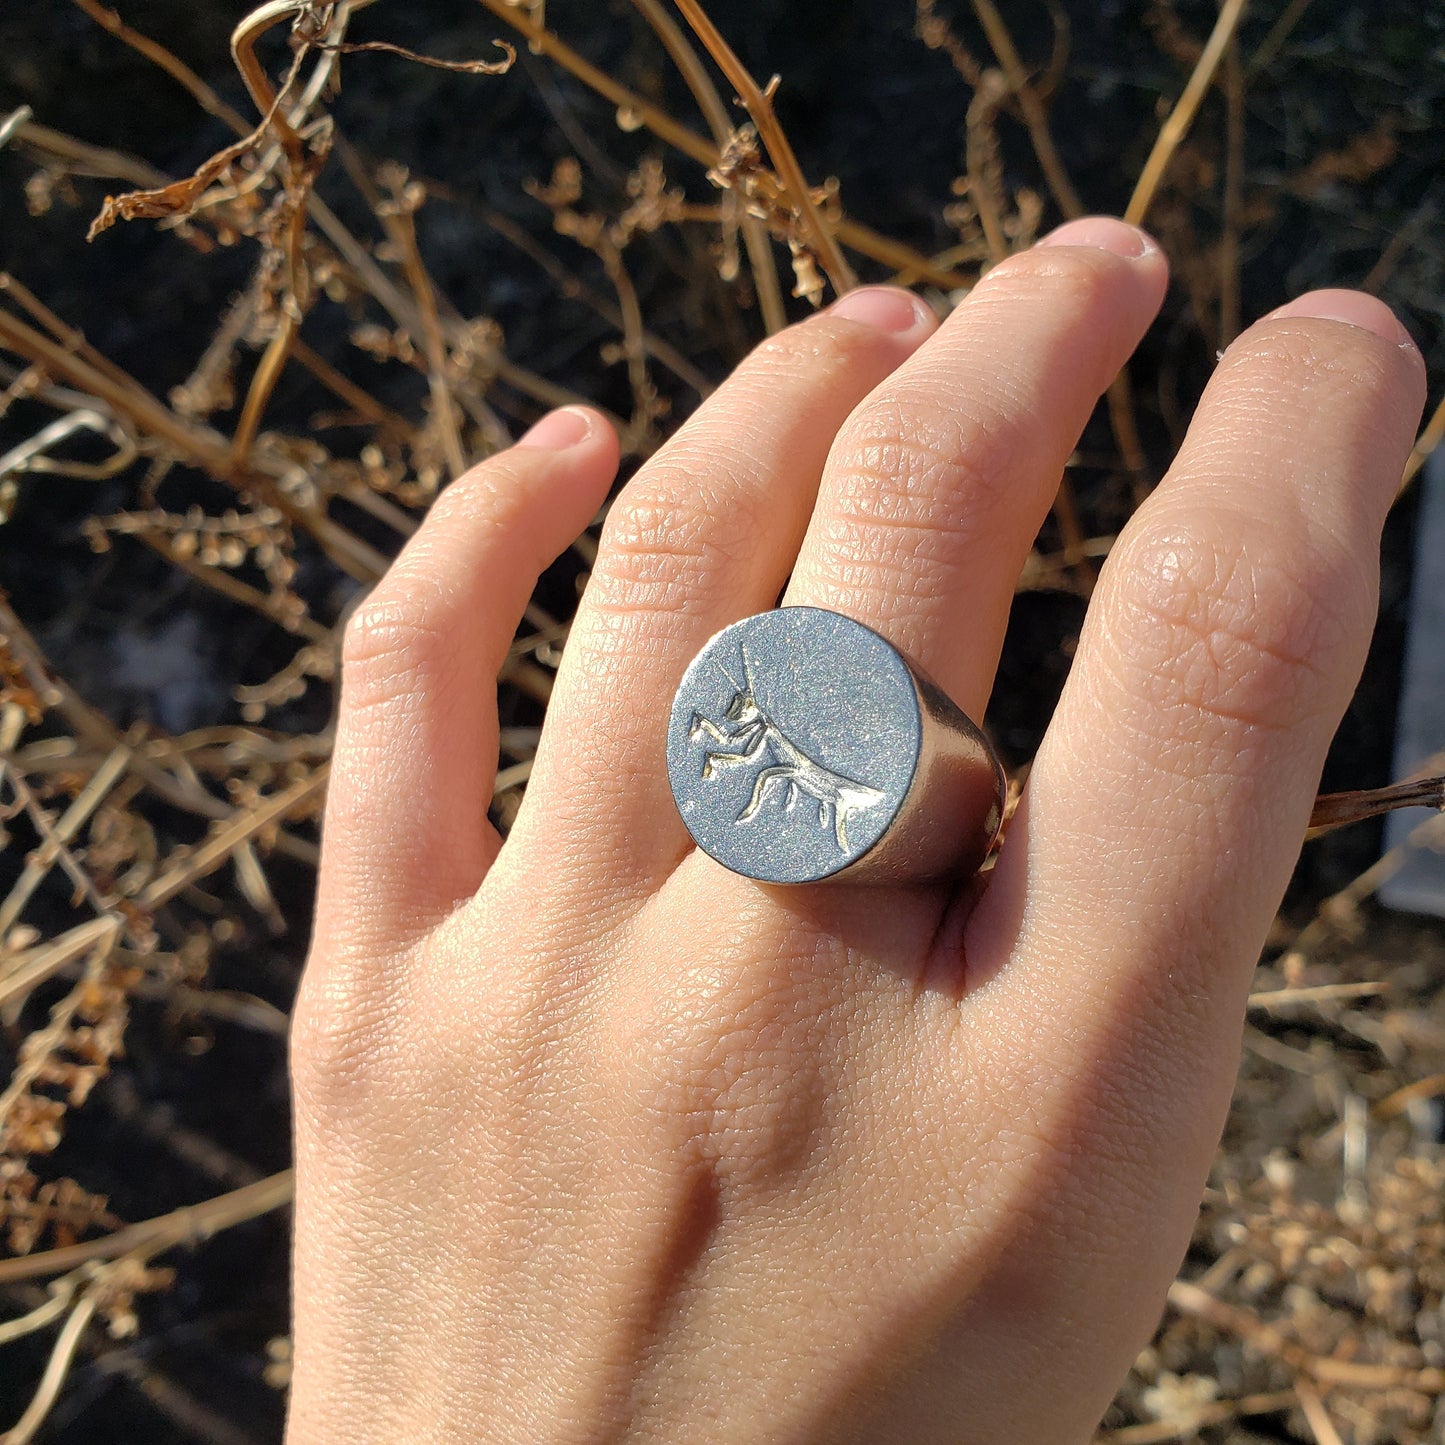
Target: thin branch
(176, 68)
(219, 580)
(1427, 1088)
(1335, 810)
(761, 260)
(70, 337)
(984, 165)
(1181, 118)
(460, 67)
(569, 284)
(1125, 426)
(1216, 1412)
(1322, 993)
(95, 730)
(402, 229)
(391, 423)
(196, 1420)
(1234, 92)
(1430, 438)
(10, 127)
(201, 447)
(41, 1045)
(759, 105)
(63, 1291)
(188, 1225)
(1189, 1299)
(83, 159)
(263, 380)
(246, 824)
(33, 455)
(56, 1369)
(54, 840)
(1035, 117)
(1279, 32)
(1316, 1416)
(1429, 832)
(863, 239)
(25, 972)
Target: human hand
(598, 1140)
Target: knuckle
(1246, 631)
(492, 491)
(651, 529)
(344, 1039)
(822, 348)
(1272, 358)
(917, 467)
(392, 636)
(727, 1072)
(1071, 281)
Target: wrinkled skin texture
(597, 1141)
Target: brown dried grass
(1314, 1296)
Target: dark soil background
(194, 1111)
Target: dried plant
(137, 854)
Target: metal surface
(803, 746)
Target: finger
(704, 534)
(939, 481)
(406, 832)
(1109, 956)
(1168, 802)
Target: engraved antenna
(747, 667)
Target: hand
(597, 1140)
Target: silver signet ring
(804, 746)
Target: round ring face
(794, 738)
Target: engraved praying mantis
(751, 731)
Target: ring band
(803, 746)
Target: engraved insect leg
(752, 737)
(766, 779)
(705, 727)
(734, 760)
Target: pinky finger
(406, 834)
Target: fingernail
(1104, 233)
(1354, 308)
(557, 431)
(890, 308)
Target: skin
(598, 1141)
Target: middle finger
(939, 481)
